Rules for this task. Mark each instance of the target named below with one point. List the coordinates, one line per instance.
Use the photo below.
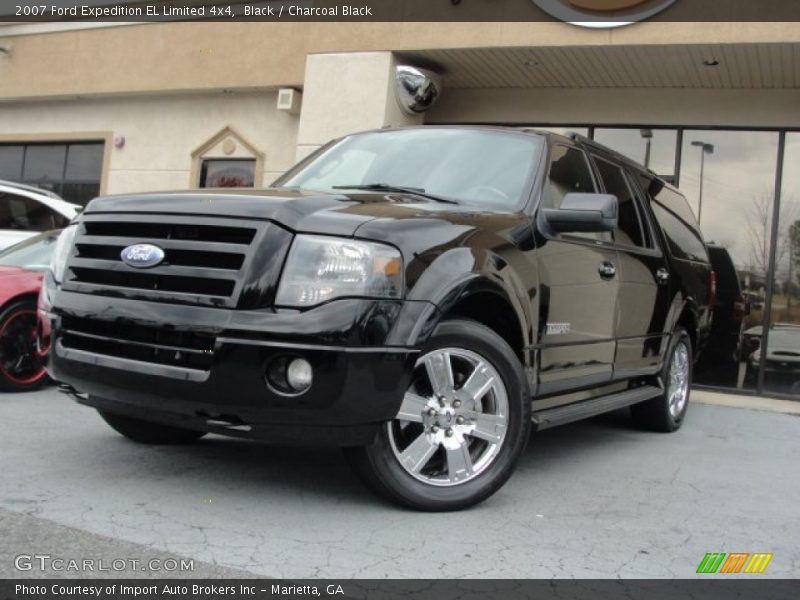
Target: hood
(15, 281)
(7, 273)
(298, 210)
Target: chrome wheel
(453, 420)
(678, 382)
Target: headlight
(323, 268)
(58, 263)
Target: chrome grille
(203, 263)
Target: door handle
(662, 276)
(607, 270)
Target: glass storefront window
(235, 173)
(83, 162)
(653, 148)
(782, 356)
(71, 170)
(11, 162)
(44, 163)
(729, 179)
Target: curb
(786, 407)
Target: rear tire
(145, 432)
(464, 422)
(667, 412)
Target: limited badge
(558, 328)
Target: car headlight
(322, 268)
(58, 262)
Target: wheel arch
(486, 301)
(685, 315)
(501, 318)
(31, 295)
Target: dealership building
(91, 108)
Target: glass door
(779, 349)
(729, 179)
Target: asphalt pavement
(590, 500)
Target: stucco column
(347, 92)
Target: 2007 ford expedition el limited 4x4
(422, 297)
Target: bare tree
(759, 227)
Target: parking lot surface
(594, 499)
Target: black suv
(423, 297)
(719, 364)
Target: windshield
(32, 254)
(487, 168)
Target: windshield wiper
(385, 187)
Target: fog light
(289, 375)
(299, 375)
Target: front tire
(22, 361)
(145, 432)
(463, 424)
(667, 412)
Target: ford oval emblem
(142, 256)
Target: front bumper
(360, 370)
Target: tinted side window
(683, 241)
(629, 231)
(25, 214)
(570, 173)
(670, 200)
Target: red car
(22, 355)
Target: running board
(552, 417)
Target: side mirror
(583, 212)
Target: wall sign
(603, 14)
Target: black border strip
(396, 11)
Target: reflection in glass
(73, 171)
(44, 162)
(782, 357)
(11, 162)
(84, 162)
(653, 148)
(475, 166)
(738, 197)
(227, 173)
(32, 254)
(80, 193)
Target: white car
(26, 210)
